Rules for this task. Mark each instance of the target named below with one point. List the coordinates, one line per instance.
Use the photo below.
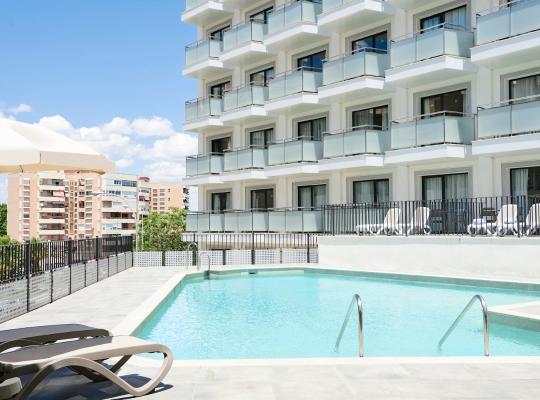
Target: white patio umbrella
(29, 148)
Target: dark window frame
(443, 106)
(443, 184)
(265, 74)
(536, 169)
(312, 193)
(439, 14)
(220, 140)
(373, 109)
(311, 122)
(268, 136)
(375, 189)
(268, 198)
(310, 57)
(371, 37)
(213, 196)
(266, 12)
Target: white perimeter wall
(473, 257)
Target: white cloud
(21, 108)
(168, 171)
(56, 123)
(155, 126)
(124, 163)
(175, 148)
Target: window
(451, 18)
(452, 102)
(262, 199)
(377, 41)
(376, 118)
(524, 87)
(221, 201)
(262, 15)
(445, 187)
(218, 33)
(262, 77)
(261, 138)
(311, 129)
(219, 146)
(311, 196)
(525, 181)
(313, 62)
(371, 191)
(219, 89)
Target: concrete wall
(485, 258)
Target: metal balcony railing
(363, 62)
(365, 139)
(251, 157)
(204, 164)
(292, 14)
(295, 150)
(204, 108)
(300, 80)
(203, 50)
(238, 35)
(245, 96)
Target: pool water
(298, 314)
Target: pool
(298, 314)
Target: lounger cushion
(31, 359)
(51, 333)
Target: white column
(401, 183)
(335, 190)
(335, 122)
(483, 178)
(236, 196)
(201, 198)
(281, 194)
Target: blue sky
(106, 72)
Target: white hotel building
(308, 103)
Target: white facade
(455, 63)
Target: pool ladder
(460, 317)
(356, 300)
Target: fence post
(307, 247)
(163, 258)
(97, 258)
(27, 264)
(252, 248)
(70, 262)
(51, 268)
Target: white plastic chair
(507, 220)
(532, 222)
(389, 226)
(419, 222)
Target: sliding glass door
(311, 196)
(371, 191)
(525, 181)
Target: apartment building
(165, 196)
(61, 205)
(307, 103)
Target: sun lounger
(532, 222)
(20, 337)
(419, 222)
(507, 221)
(389, 226)
(86, 355)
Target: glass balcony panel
(245, 97)
(403, 135)
(403, 52)
(231, 221)
(458, 43)
(202, 165)
(328, 5)
(192, 223)
(430, 131)
(311, 81)
(494, 122)
(291, 14)
(333, 145)
(260, 221)
(311, 150)
(293, 221)
(276, 221)
(276, 87)
(191, 166)
(193, 3)
(191, 111)
(230, 101)
(376, 63)
(332, 71)
(526, 117)
(493, 26)
(259, 95)
(276, 154)
(216, 163)
(215, 47)
(430, 44)
(243, 34)
(354, 142)
(524, 17)
(458, 129)
(245, 157)
(256, 221)
(217, 222)
(354, 65)
(312, 221)
(293, 151)
(203, 50)
(293, 83)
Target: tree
(163, 232)
(3, 219)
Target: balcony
(442, 135)
(355, 74)
(246, 221)
(508, 127)
(343, 15)
(245, 103)
(243, 44)
(247, 163)
(354, 147)
(203, 114)
(202, 12)
(430, 56)
(508, 35)
(409, 4)
(290, 156)
(205, 222)
(295, 220)
(204, 164)
(294, 25)
(294, 90)
(202, 59)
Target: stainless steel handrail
(201, 255)
(358, 301)
(460, 317)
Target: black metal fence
(502, 215)
(18, 261)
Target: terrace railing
(250, 31)
(510, 117)
(355, 141)
(295, 150)
(293, 13)
(204, 164)
(251, 157)
(300, 80)
(245, 96)
(506, 20)
(204, 108)
(363, 62)
(444, 127)
(203, 50)
(443, 39)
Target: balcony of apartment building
(204, 114)
(508, 34)
(117, 229)
(298, 155)
(360, 146)
(245, 104)
(46, 218)
(52, 196)
(437, 136)
(409, 4)
(354, 74)
(51, 231)
(344, 15)
(203, 58)
(243, 44)
(204, 168)
(509, 126)
(202, 12)
(434, 54)
(308, 219)
(51, 184)
(295, 90)
(294, 25)
(244, 163)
